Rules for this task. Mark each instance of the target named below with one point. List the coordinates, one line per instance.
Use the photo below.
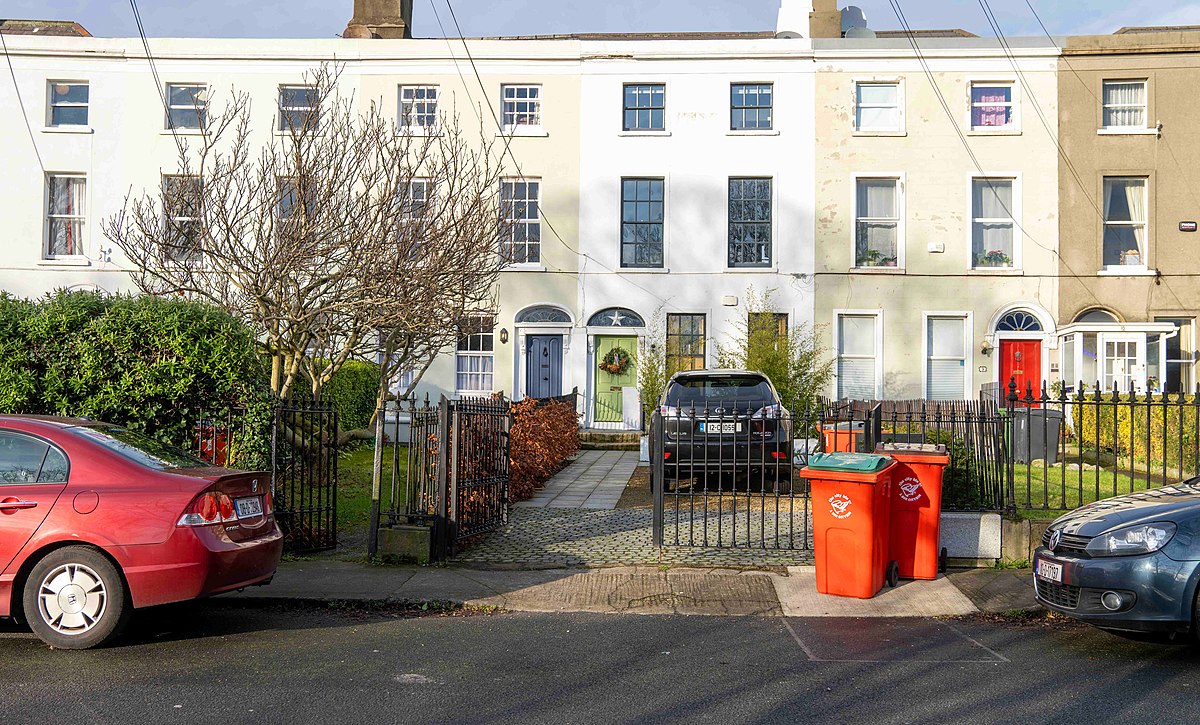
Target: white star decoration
(616, 318)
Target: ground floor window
(858, 357)
(474, 360)
(686, 339)
(1178, 373)
(946, 358)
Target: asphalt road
(242, 662)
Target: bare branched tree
(341, 236)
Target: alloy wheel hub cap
(72, 599)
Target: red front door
(1021, 359)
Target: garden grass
(1044, 492)
(354, 486)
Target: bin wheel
(943, 555)
(893, 574)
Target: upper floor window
(181, 209)
(992, 106)
(641, 222)
(644, 106)
(68, 103)
(1124, 222)
(750, 106)
(1124, 104)
(299, 108)
(65, 215)
(522, 240)
(992, 222)
(415, 198)
(749, 222)
(418, 107)
(187, 106)
(877, 223)
(521, 107)
(877, 107)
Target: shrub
(1160, 433)
(543, 435)
(18, 372)
(353, 391)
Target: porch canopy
(1126, 356)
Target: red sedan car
(97, 520)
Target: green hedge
(152, 364)
(353, 391)
(1156, 432)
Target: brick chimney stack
(825, 21)
(380, 19)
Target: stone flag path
(594, 480)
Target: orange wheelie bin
(851, 511)
(916, 506)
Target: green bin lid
(853, 462)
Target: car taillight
(208, 509)
(268, 503)
(769, 411)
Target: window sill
(1131, 131)
(418, 131)
(885, 134)
(460, 394)
(769, 269)
(525, 267)
(643, 270)
(1131, 270)
(753, 132)
(289, 134)
(523, 133)
(997, 271)
(645, 133)
(65, 262)
(68, 129)
(877, 270)
(182, 132)
(994, 132)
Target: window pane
(991, 198)
(946, 337)
(1124, 103)
(877, 198)
(20, 458)
(69, 93)
(878, 94)
(857, 335)
(878, 119)
(69, 116)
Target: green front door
(609, 385)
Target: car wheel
(75, 598)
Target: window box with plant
(874, 258)
(994, 258)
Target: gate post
(443, 482)
(1010, 443)
(377, 479)
(656, 474)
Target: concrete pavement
(785, 591)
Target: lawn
(1057, 489)
(354, 489)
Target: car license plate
(1049, 571)
(248, 507)
(718, 427)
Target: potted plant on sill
(994, 258)
(1131, 257)
(874, 258)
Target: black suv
(726, 421)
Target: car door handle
(15, 505)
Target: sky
(326, 18)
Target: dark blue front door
(543, 366)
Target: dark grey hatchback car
(1127, 564)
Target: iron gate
(453, 475)
(304, 458)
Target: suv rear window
(139, 448)
(701, 391)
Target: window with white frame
(992, 107)
(1124, 104)
(521, 107)
(857, 356)
(1179, 375)
(1124, 222)
(415, 198)
(877, 107)
(642, 215)
(187, 106)
(66, 214)
(946, 358)
(644, 106)
(877, 223)
(69, 103)
(522, 235)
(181, 211)
(992, 224)
(418, 108)
(299, 109)
(473, 359)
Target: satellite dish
(853, 17)
(788, 34)
(860, 33)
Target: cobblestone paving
(594, 480)
(600, 537)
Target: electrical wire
(21, 104)
(158, 86)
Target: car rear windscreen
(140, 448)
(697, 392)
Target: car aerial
(1128, 564)
(97, 520)
(725, 421)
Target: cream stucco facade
(909, 296)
